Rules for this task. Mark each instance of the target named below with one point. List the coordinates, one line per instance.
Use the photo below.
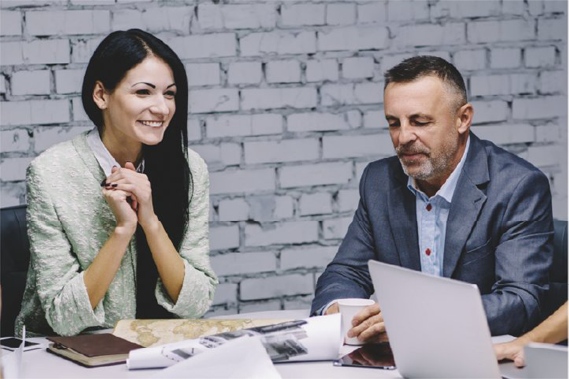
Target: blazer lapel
(403, 221)
(467, 202)
(88, 157)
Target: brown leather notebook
(92, 350)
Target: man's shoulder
(383, 173)
(506, 161)
(385, 166)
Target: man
(449, 204)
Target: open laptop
(437, 327)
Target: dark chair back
(558, 274)
(14, 260)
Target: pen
(281, 326)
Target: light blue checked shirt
(432, 217)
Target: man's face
(425, 127)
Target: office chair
(557, 294)
(14, 260)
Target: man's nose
(406, 134)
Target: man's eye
(419, 123)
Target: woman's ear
(100, 96)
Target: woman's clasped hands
(129, 195)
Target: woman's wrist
(152, 225)
(125, 230)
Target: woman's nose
(160, 106)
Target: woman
(552, 330)
(118, 216)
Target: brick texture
(286, 107)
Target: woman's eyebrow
(148, 84)
(151, 85)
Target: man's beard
(433, 167)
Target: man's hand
(513, 350)
(368, 325)
(334, 308)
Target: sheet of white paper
(324, 338)
(19, 354)
(244, 357)
(157, 356)
(10, 365)
(316, 338)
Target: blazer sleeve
(200, 280)
(58, 274)
(347, 276)
(523, 257)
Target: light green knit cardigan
(68, 222)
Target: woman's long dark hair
(165, 163)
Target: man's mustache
(400, 150)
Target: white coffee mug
(348, 309)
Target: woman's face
(141, 106)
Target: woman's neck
(123, 150)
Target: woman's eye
(170, 94)
(143, 92)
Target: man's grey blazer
(499, 235)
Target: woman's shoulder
(63, 153)
(196, 162)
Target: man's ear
(464, 118)
(100, 96)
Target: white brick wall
(10, 23)
(315, 203)
(320, 70)
(270, 287)
(213, 100)
(341, 14)
(204, 46)
(153, 20)
(68, 81)
(286, 107)
(244, 125)
(300, 122)
(291, 150)
(357, 68)
(68, 22)
(283, 71)
(269, 98)
(16, 140)
(31, 82)
(245, 73)
(256, 44)
(353, 38)
(203, 74)
(244, 263)
(303, 14)
(315, 174)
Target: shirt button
(428, 252)
(429, 207)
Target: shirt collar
(102, 154)
(449, 186)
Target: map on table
(149, 333)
